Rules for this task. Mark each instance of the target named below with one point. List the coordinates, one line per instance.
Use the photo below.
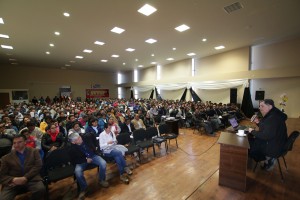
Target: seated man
(20, 171)
(82, 153)
(271, 136)
(127, 127)
(137, 122)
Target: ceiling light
(115, 56)
(47, 52)
(191, 54)
(219, 47)
(12, 59)
(124, 63)
(6, 47)
(170, 58)
(151, 41)
(136, 60)
(103, 60)
(66, 14)
(204, 40)
(1, 21)
(130, 49)
(14, 63)
(51, 45)
(79, 57)
(72, 61)
(141, 66)
(117, 30)
(4, 36)
(147, 10)
(152, 54)
(174, 48)
(67, 65)
(182, 28)
(99, 43)
(153, 63)
(57, 33)
(87, 51)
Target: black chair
(156, 139)
(196, 125)
(164, 131)
(4, 150)
(288, 147)
(140, 139)
(124, 139)
(57, 166)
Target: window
(135, 76)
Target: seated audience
(52, 139)
(127, 127)
(137, 122)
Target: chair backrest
(123, 138)
(139, 135)
(151, 132)
(163, 129)
(57, 158)
(291, 139)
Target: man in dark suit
(20, 171)
(127, 126)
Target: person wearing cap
(271, 136)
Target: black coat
(76, 155)
(125, 129)
(272, 129)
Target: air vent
(233, 7)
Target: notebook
(235, 125)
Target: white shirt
(104, 139)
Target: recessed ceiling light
(219, 47)
(12, 59)
(51, 45)
(170, 58)
(147, 10)
(79, 57)
(141, 66)
(204, 40)
(124, 63)
(67, 65)
(151, 41)
(130, 49)
(57, 33)
(63, 68)
(66, 14)
(72, 61)
(182, 28)
(9, 54)
(191, 54)
(99, 43)
(6, 47)
(47, 52)
(117, 30)
(115, 56)
(174, 48)
(103, 60)
(4, 36)
(136, 60)
(87, 51)
(1, 21)
(14, 63)
(153, 63)
(152, 54)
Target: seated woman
(52, 139)
(93, 127)
(76, 128)
(108, 145)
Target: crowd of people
(91, 127)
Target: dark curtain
(196, 98)
(183, 95)
(131, 94)
(151, 95)
(247, 106)
(158, 97)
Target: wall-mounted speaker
(259, 95)
(233, 95)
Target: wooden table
(233, 161)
